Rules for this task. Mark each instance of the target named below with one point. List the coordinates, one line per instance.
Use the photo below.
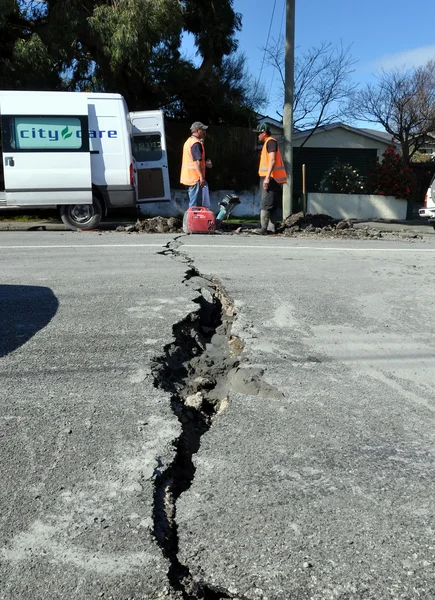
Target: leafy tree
(131, 47)
(342, 178)
(403, 102)
(26, 61)
(392, 177)
(11, 31)
(213, 25)
(227, 95)
(134, 45)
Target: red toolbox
(198, 219)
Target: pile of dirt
(155, 225)
(300, 222)
(323, 226)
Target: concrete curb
(408, 227)
(55, 226)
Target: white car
(429, 205)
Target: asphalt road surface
(315, 476)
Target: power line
(279, 38)
(270, 87)
(281, 27)
(267, 42)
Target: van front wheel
(82, 216)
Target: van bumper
(426, 212)
(118, 196)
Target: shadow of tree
(24, 310)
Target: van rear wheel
(82, 216)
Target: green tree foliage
(227, 96)
(11, 31)
(392, 177)
(213, 25)
(131, 47)
(342, 178)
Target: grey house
(351, 145)
(429, 145)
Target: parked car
(429, 204)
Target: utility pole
(287, 196)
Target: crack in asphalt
(194, 369)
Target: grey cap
(198, 125)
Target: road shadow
(24, 310)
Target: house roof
(269, 120)
(380, 136)
(375, 134)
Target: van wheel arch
(97, 193)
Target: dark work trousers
(270, 202)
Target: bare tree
(403, 102)
(322, 86)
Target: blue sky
(381, 33)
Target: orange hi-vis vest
(278, 172)
(189, 174)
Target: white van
(81, 152)
(429, 203)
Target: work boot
(271, 228)
(264, 219)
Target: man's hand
(266, 183)
(202, 181)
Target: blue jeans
(195, 194)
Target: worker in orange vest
(194, 164)
(272, 178)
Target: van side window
(8, 135)
(46, 134)
(147, 147)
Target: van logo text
(53, 135)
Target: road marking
(85, 246)
(217, 246)
(311, 248)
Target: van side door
(45, 153)
(150, 156)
